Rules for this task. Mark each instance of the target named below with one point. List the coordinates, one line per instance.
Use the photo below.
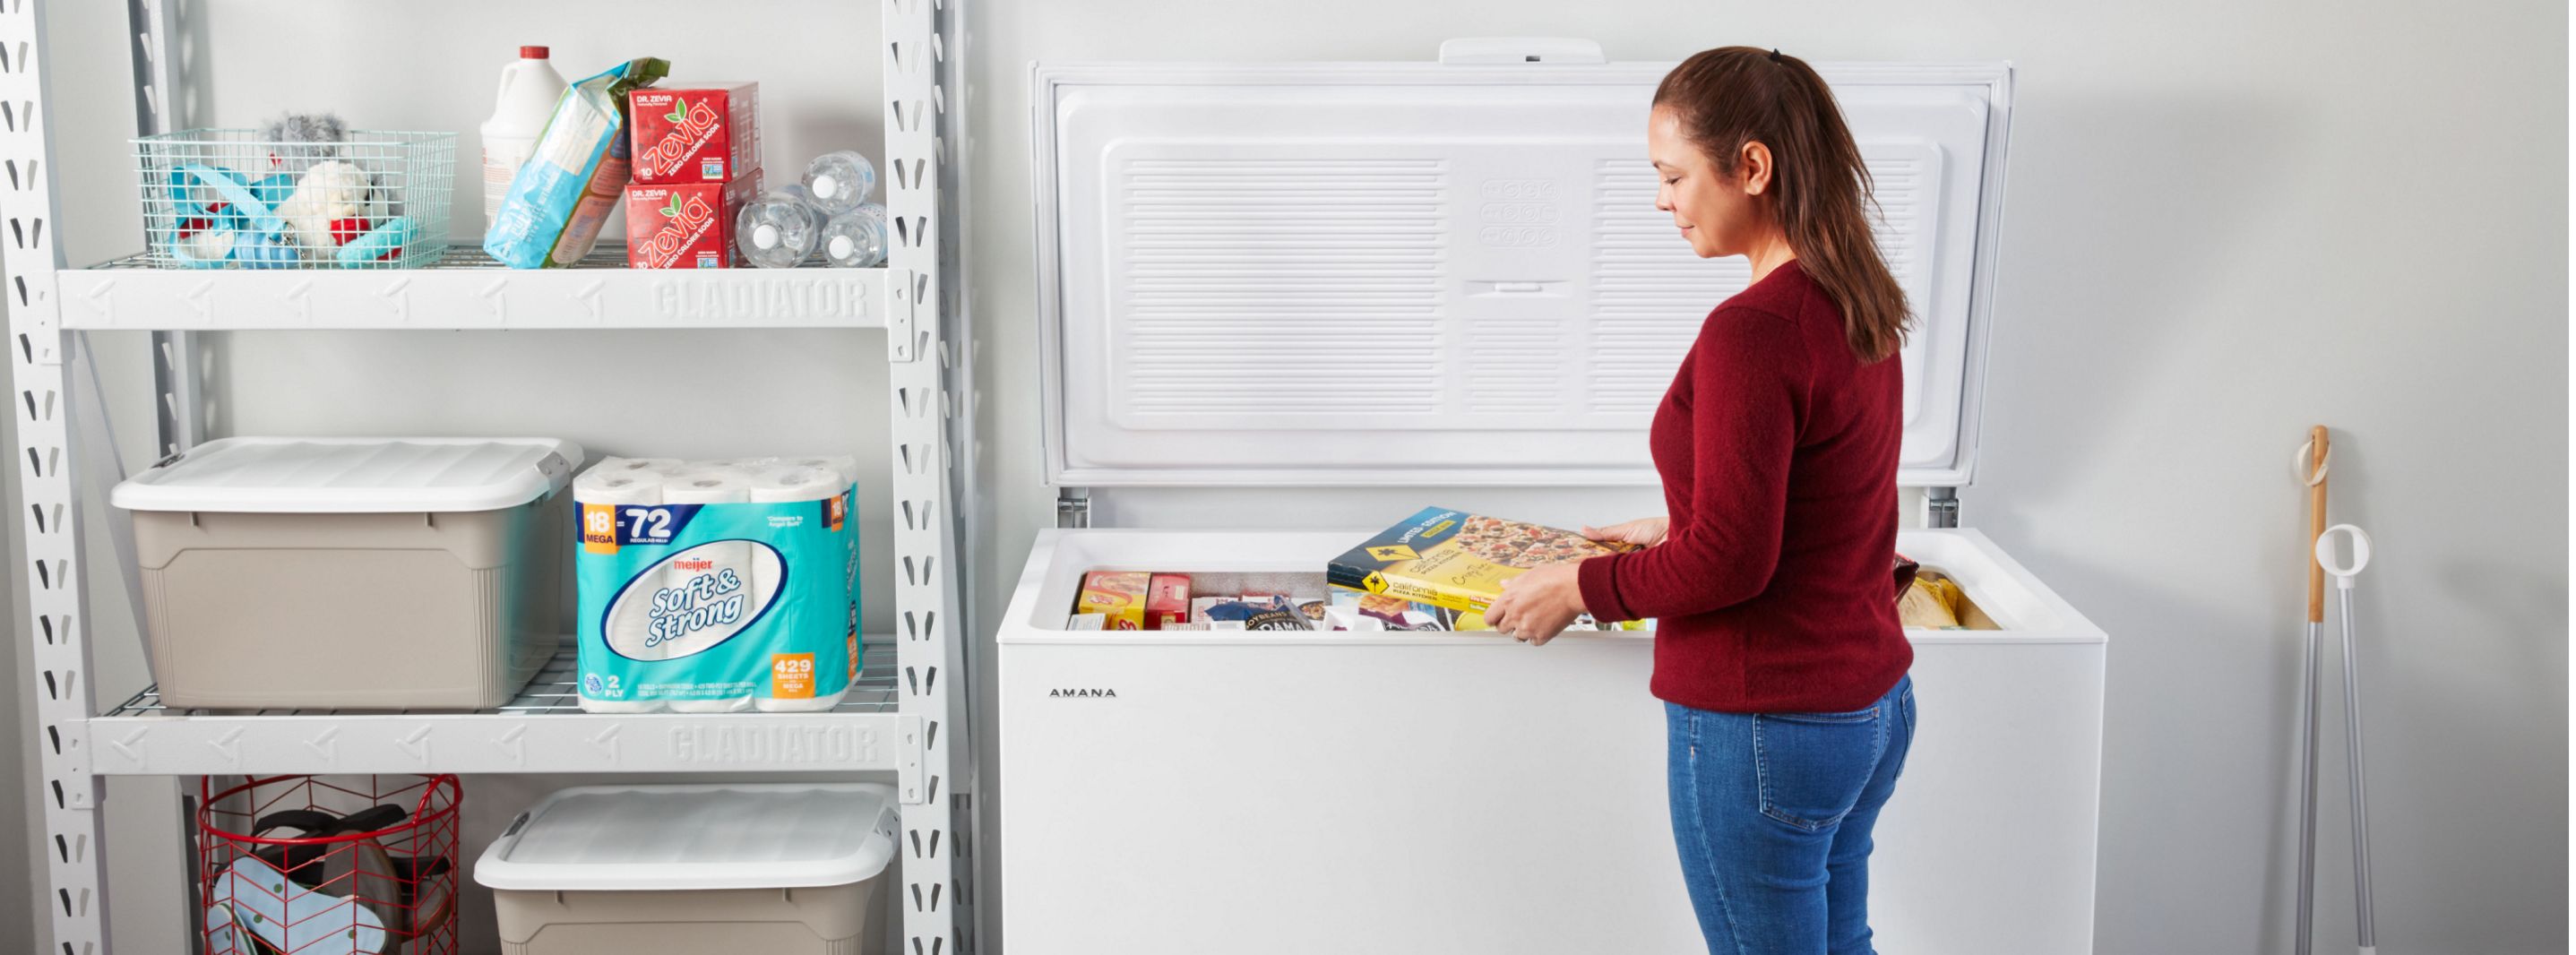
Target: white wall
(2226, 222)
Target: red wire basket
(336, 865)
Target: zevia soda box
(700, 132)
(687, 226)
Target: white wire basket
(233, 199)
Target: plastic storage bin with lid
(775, 868)
(365, 573)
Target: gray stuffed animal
(302, 139)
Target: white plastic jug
(529, 89)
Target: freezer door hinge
(1073, 507)
(1940, 507)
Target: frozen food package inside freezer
(1275, 581)
(717, 586)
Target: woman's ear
(1753, 165)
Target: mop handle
(2313, 471)
(2329, 558)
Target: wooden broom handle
(2316, 523)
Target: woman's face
(1718, 214)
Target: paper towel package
(717, 586)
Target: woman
(1777, 653)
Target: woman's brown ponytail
(1733, 95)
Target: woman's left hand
(1538, 605)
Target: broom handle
(2316, 523)
(2315, 479)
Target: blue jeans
(1772, 814)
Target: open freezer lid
(1314, 274)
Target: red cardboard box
(700, 132)
(1167, 600)
(687, 226)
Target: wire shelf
(607, 255)
(555, 690)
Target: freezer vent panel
(1333, 275)
(1905, 183)
(1897, 182)
(1651, 291)
(1249, 281)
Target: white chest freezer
(1286, 282)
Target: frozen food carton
(1454, 559)
(1118, 596)
(1167, 601)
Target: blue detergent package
(717, 586)
(559, 200)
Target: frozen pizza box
(1454, 559)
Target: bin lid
(352, 475)
(710, 836)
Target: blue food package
(565, 193)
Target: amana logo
(1112, 694)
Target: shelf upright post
(965, 514)
(177, 409)
(928, 629)
(157, 98)
(70, 794)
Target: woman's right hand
(1643, 532)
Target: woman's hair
(1733, 95)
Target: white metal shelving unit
(907, 716)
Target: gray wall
(2226, 222)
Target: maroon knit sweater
(1778, 453)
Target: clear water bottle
(775, 231)
(839, 181)
(797, 189)
(852, 240)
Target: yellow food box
(1117, 595)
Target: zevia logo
(684, 219)
(693, 123)
(1111, 694)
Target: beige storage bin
(779, 869)
(351, 573)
